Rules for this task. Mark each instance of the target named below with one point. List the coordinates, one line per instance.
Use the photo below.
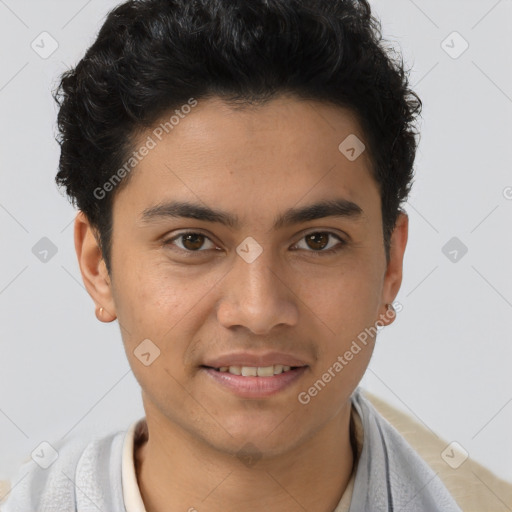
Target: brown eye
(190, 242)
(321, 243)
(317, 241)
(193, 241)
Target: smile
(256, 371)
(255, 381)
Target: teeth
(253, 371)
(249, 371)
(265, 371)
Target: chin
(271, 433)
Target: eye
(321, 242)
(190, 241)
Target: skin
(255, 163)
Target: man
(239, 169)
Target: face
(220, 260)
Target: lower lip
(255, 387)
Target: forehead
(249, 160)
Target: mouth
(254, 381)
(255, 371)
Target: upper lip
(254, 359)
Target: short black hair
(153, 56)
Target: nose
(257, 296)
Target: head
(239, 114)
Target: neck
(178, 472)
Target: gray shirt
(87, 477)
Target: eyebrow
(342, 208)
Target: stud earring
(390, 307)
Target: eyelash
(333, 250)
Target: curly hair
(152, 56)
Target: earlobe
(388, 317)
(93, 268)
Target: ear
(393, 276)
(93, 268)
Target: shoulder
(471, 485)
(390, 474)
(49, 478)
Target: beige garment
(5, 488)
(131, 492)
(474, 487)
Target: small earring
(101, 311)
(390, 307)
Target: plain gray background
(447, 358)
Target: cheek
(158, 317)
(166, 306)
(344, 301)
(147, 297)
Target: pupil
(193, 241)
(319, 240)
